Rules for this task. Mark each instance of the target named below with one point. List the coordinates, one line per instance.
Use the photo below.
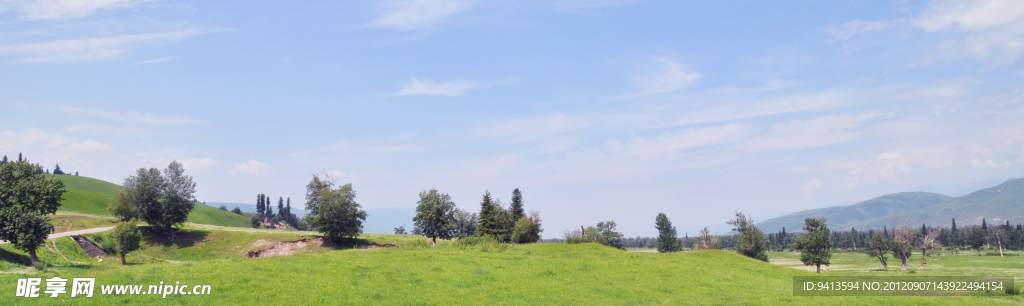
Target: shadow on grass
(185, 238)
(12, 257)
(344, 243)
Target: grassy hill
(453, 274)
(996, 204)
(91, 196)
(868, 214)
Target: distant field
(556, 274)
(91, 196)
(963, 263)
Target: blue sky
(597, 110)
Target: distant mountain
(996, 204)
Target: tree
(527, 229)
(750, 242)
(903, 243)
(56, 170)
(490, 224)
(224, 208)
(280, 207)
(333, 211)
(400, 230)
(465, 223)
(929, 241)
(976, 238)
(516, 208)
(878, 247)
(237, 211)
(435, 215)
(127, 238)
(121, 207)
(163, 201)
(605, 234)
(254, 220)
(815, 248)
(667, 239)
(259, 204)
(26, 197)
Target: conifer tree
(667, 240)
(280, 207)
(259, 204)
(489, 223)
(516, 208)
(815, 248)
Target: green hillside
(868, 214)
(996, 205)
(91, 196)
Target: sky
(597, 110)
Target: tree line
(438, 217)
(265, 213)
(38, 168)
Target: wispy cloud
(135, 117)
(856, 28)
(981, 29)
(667, 75)
(199, 163)
(427, 87)
(811, 186)
(251, 167)
(417, 14)
(815, 132)
(90, 49)
(63, 9)
(159, 60)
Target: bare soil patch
(89, 248)
(283, 248)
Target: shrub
(237, 210)
(475, 240)
(254, 221)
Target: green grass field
(91, 196)
(451, 273)
(963, 263)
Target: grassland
(963, 263)
(451, 273)
(90, 197)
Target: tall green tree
(750, 242)
(26, 198)
(527, 229)
(127, 238)
(465, 223)
(164, 201)
(516, 208)
(121, 207)
(333, 211)
(976, 238)
(667, 237)
(490, 224)
(815, 248)
(435, 215)
(878, 247)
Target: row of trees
(161, 199)
(38, 168)
(265, 213)
(749, 240)
(438, 217)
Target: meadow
(415, 273)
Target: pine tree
(19, 158)
(4, 161)
(516, 208)
(924, 230)
(667, 240)
(489, 223)
(56, 170)
(280, 207)
(259, 204)
(984, 226)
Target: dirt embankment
(283, 248)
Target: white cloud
(417, 86)
(856, 28)
(811, 186)
(670, 144)
(889, 155)
(89, 49)
(251, 167)
(982, 164)
(668, 76)
(982, 29)
(199, 163)
(417, 14)
(158, 60)
(135, 117)
(63, 9)
(820, 131)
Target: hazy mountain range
(995, 204)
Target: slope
(91, 196)
(996, 204)
(868, 214)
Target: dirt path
(88, 247)
(74, 233)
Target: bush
(224, 208)
(237, 210)
(475, 240)
(574, 237)
(254, 221)
(527, 230)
